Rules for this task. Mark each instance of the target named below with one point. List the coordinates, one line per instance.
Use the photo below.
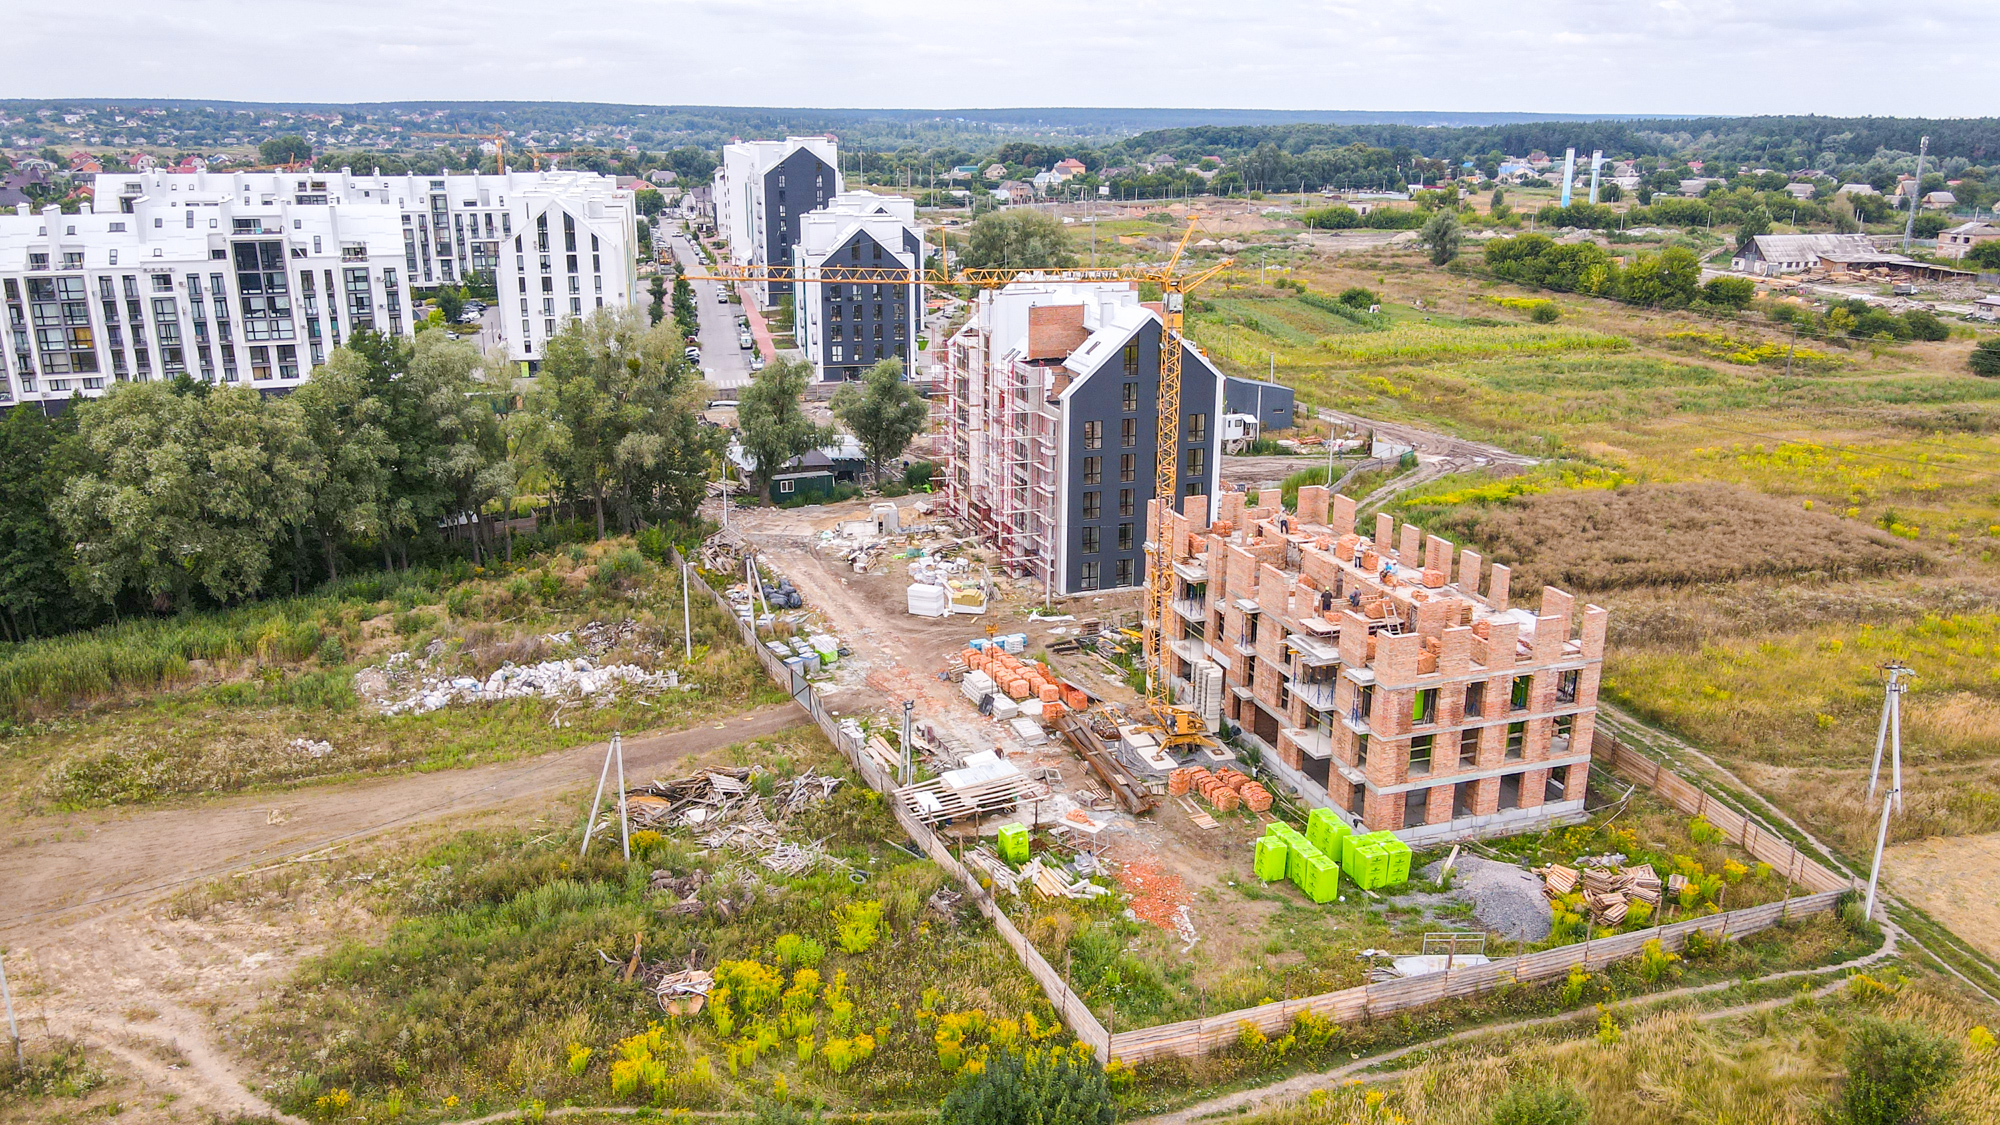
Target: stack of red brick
(1019, 679)
(1225, 789)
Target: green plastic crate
(1013, 843)
(1272, 856)
(1322, 879)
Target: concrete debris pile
(311, 748)
(550, 679)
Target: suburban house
(1068, 167)
(1959, 240)
(1770, 255)
(1940, 201)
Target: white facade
(757, 210)
(451, 227)
(206, 283)
(844, 327)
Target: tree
(35, 592)
(1925, 325)
(348, 426)
(615, 417)
(1017, 240)
(1441, 235)
(657, 311)
(1757, 222)
(1729, 292)
(1500, 209)
(1985, 358)
(1985, 255)
(451, 302)
(1666, 279)
(1893, 1068)
(288, 149)
(774, 427)
(686, 317)
(1531, 1103)
(445, 438)
(649, 201)
(1045, 1086)
(882, 412)
(183, 494)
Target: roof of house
(1977, 226)
(1804, 247)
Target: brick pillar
(1410, 553)
(1312, 503)
(1496, 593)
(1439, 810)
(1486, 796)
(1385, 532)
(1534, 785)
(1469, 563)
(1437, 556)
(1343, 515)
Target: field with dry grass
(256, 713)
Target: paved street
(728, 365)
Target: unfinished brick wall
(1341, 518)
(1312, 503)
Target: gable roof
(1806, 247)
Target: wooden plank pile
(1608, 892)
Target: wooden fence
(1200, 1036)
(1780, 853)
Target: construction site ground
(1214, 937)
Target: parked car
(745, 341)
(721, 296)
(692, 354)
(756, 362)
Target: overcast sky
(1560, 56)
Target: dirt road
(62, 867)
(159, 997)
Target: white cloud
(1580, 56)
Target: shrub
(1893, 1068)
(1545, 314)
(1357, 297)
(860, 925)
(1985, 359)
(1729, 292)
(1655, 962)
(791, 950)
(1043, 1086)
(331, 652)
(918, 475)
(1925, 326)
(1532, 1103)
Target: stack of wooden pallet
(1608, 892)
(1558, 880)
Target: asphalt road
(726, 363)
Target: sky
(1837, 57)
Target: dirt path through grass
(1247, 1101)
(86, 862)
(153, 993)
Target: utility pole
(1910, 224)
(1891, 732)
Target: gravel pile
(1506, 899)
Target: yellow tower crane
(1179, 725)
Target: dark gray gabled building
(1052, 426)
(846, 326)
(763, 189)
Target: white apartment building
(846, 326)
(762, 188)
(197, 283)
(557, 244)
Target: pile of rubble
(599, 637)
(551, 679)
(1608, 890)
(310, 747)
(725, 810)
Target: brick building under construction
(1380, 674)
